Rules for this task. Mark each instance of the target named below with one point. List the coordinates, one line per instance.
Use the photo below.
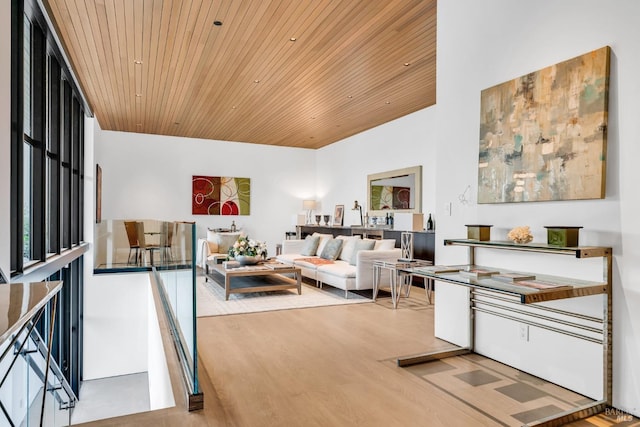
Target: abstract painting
(388, 197)
(543, 135)
(220, 195)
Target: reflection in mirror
(398, 190)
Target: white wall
(342, 168)
(5, 134)
(116, 325)
(481, 44)
(149, 176)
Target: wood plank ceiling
(298, 73)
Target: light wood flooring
(335, 366)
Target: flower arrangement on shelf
(520, 235)
(245, 246)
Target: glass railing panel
(28, 395)
(177, 280)
(139, 244)
(169, 249)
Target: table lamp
(308, 205)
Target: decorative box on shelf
(478, 232)
(408, 221)
(562, 235)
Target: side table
(398, 278)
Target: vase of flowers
(248, 251)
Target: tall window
(48, 155)
(47, 180)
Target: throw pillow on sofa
(348, 245)
(324, 238)
(361, 245)
(212, 241)
(332, 249)
(384, 244)
(310, 246)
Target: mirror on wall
(395, 191)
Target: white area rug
(210, 299)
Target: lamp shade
(308, 205)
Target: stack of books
(513, 277)
(438, 269)
(478, 273)
(230, 264)
(276, 265)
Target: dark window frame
(57, 130)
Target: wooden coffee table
(272, 278)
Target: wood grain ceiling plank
(178, 59)
(90, 21)
(231, 74)
(136, 70)
(193, 49)
(169, 24)
(84, 21)
(67, 16)
(215, 68)
(59, 13)
(195, 53)
(111, 40)
(127, 56)
(151, 33)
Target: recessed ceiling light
(217, 23)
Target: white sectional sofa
(352, 269)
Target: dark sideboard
(423, 241)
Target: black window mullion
(38, 123)
(81, 168)
(17, 107)
(75, 172)
(53, 155)
(65, 194)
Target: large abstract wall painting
(543, 135)
(220, 195)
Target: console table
(490, 296)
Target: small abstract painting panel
(220, 195)
(388, 197)
(543, 135)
